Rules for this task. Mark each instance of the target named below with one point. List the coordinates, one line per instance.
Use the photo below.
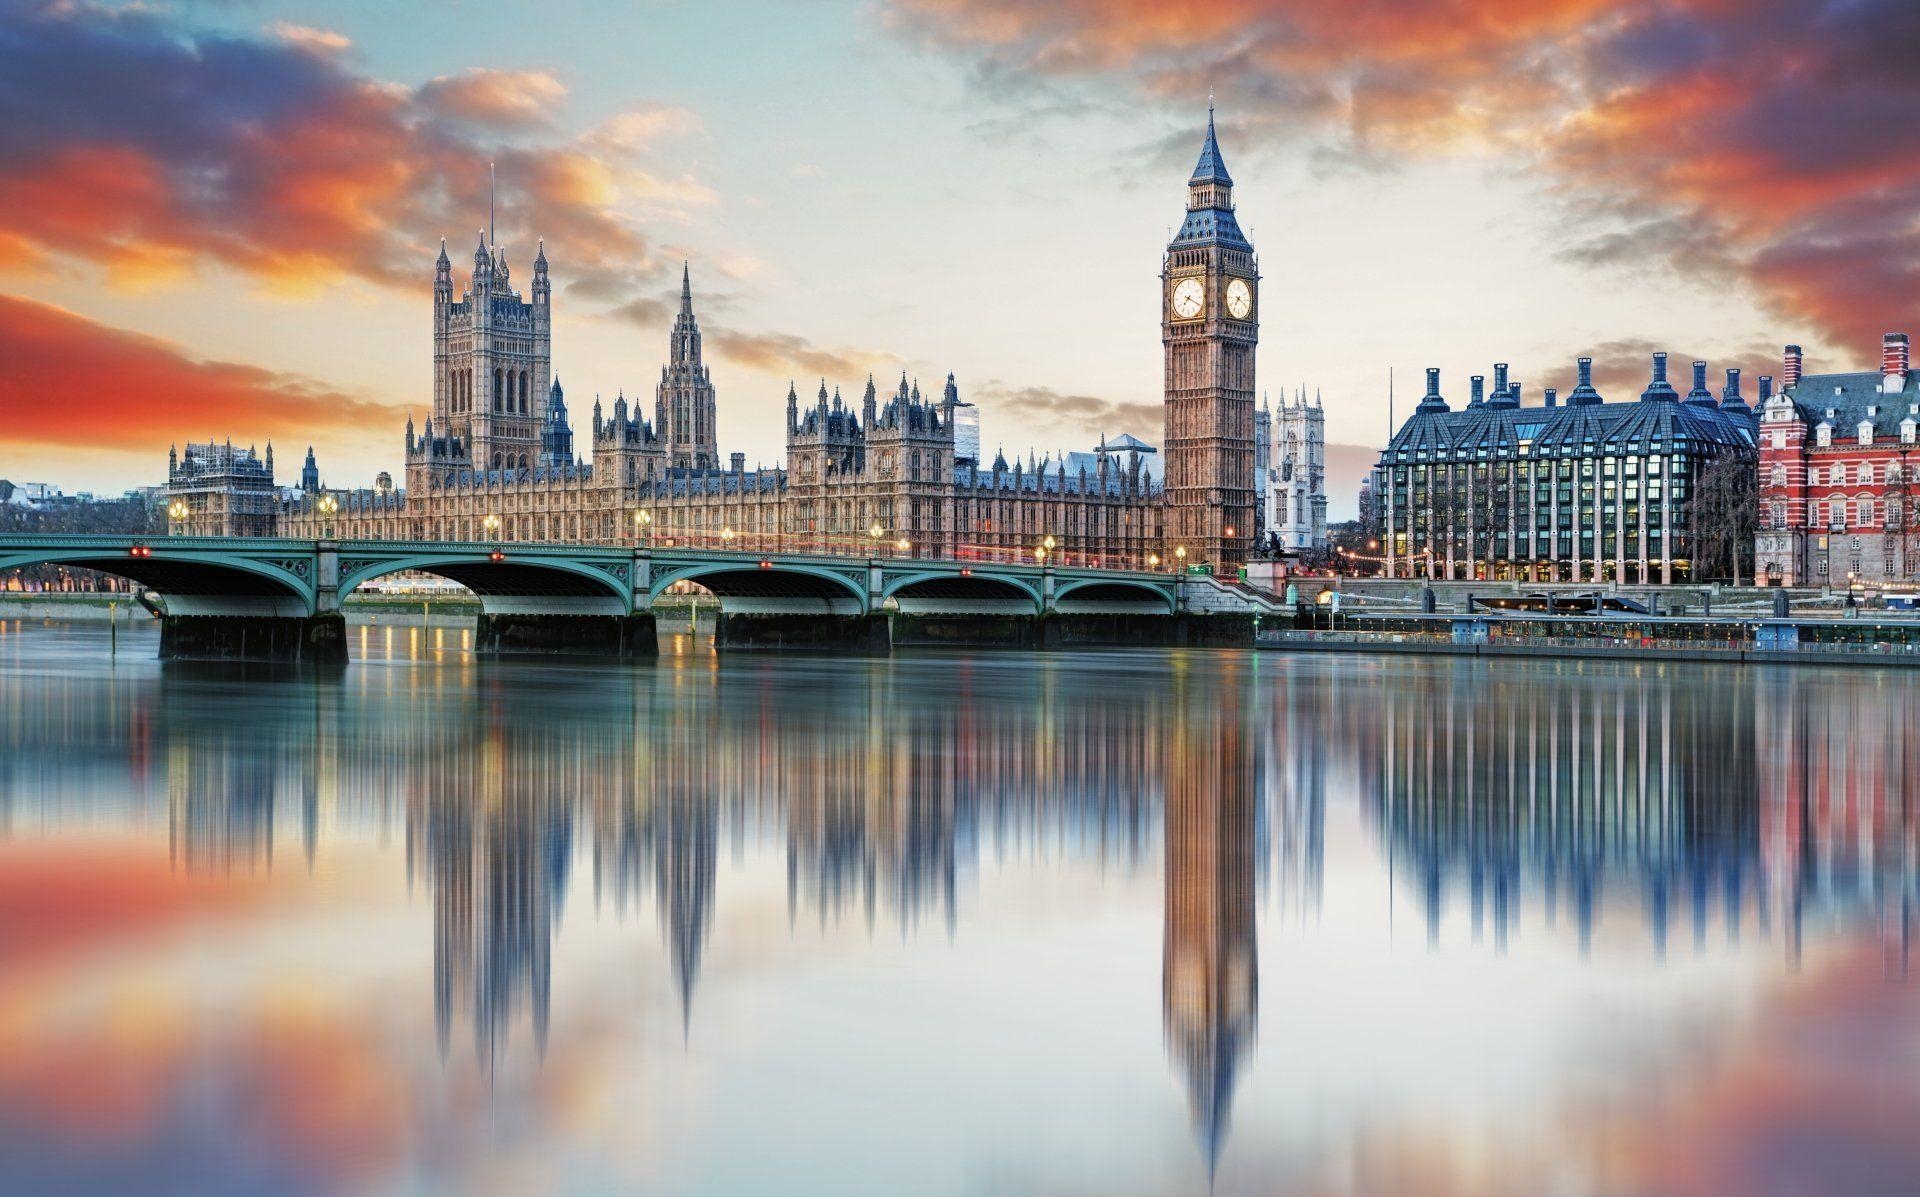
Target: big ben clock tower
(1209, 324)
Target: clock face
(1239, 299)
(1189, 298)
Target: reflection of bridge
(280, 598)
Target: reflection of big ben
(1209, 325)
(1209, 976)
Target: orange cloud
(271, 157)
(1770, 141)
(79, 384)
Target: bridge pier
(622, 637)
(302, 639)
(858, 635)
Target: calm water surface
(1103, 923)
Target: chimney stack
(1660, 390)
(739, 463)
(1479, 391)
(1499, 377)
(1790, 369)
(1551, 397)
(1731, 399)
(1700, 394)
(1766, 390)
(1432, 401)
(1895, 360)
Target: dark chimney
(1660, 390)
(1700, 394)
(1550, 397)
(1479, 391)
(1584, 395)
(1766, 390)
(1731, 399)
(1499, 377)
(1432, 401)
(739, 463)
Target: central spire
(686, 288)
(1212, 168)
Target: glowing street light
(177, 511)
(726, 535)
(642, 519)
(327, 506)
(1040, 553)
(1153, 561)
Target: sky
(218, 220)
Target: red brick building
(1840, 474)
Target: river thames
(1097, 923)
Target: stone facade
(1292, 472)
(218, 490)
(881, 475)
(1209, 327)
(1840, 474)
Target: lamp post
(327, 506)
(1180, 557)
(904, 545)
(726, 537)
(642, 520)
(1047, 542)
(177, 513)
(1153, 561)
(1040, 553)
(492, 526)
(874, 533)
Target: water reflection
(1723, 804)
(1742, 801)
(1210, 966)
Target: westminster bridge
(278, 598)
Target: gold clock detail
(1189, 298)
(1239, 299)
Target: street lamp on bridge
(327, 506)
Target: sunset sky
(219, 219)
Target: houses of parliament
(880, 473)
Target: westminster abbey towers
(1209, 324)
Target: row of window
(1838, 475)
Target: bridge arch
(189, 580)
(972, 586)
(778, 585)
(1115, 594)
(515, 580)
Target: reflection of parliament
(496, 460)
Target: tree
(1725, 515)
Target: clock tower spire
(1209, 325)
